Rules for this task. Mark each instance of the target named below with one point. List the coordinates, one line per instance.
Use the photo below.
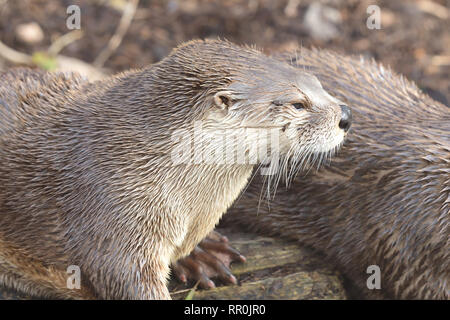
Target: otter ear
(222, 99)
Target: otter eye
(299, 105)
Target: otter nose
(346, 118)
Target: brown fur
(384, 200)
(87, 177)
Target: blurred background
(414, 38)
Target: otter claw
(210, 259)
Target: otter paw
(210, 259)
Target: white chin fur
(332, 143)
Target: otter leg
(210, 259)
(154, 281)
(130, 274)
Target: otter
(102, 177)
(384, 199)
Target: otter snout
(346, 118)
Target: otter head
(278, 96)
(265, 109)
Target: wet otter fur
(385, 199)
(88, 177)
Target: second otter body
(88, 177)
(384, 200)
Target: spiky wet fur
(86, 175)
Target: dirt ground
(414, 38)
